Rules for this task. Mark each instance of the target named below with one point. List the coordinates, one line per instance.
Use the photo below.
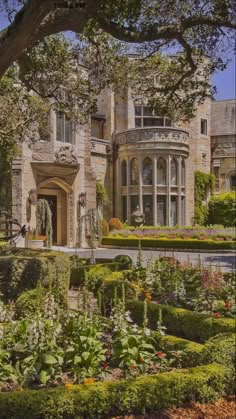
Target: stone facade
(223, 145)
(150, 166)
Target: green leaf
(85, 355)
(77, 359)
(44, 377)
(49, 359)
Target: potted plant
(36, 241)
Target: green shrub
(222, 209)
(192, 352)
(26, 269)
(221, 349)
(109, 285)
(102, 400)
(125, 260)
(96, 276)
(105, 227)
(170, 243)
(200, 215)
(115, 224)
(27, 303)
(183, 323)
(78, 274)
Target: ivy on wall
(204, 182)
(101, 195)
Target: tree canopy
(164, 51)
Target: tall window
(173, 172)
(123, 173)
(233, 182)
(134, 171)
(204, 126)
(124, 208)
(147, 171)
(146, 117)
(64, 130)
(161, 210)
(182, 172)
(161, 171)
(148, 209)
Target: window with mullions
(64, 128)
(146, 117)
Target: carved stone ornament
(66, 155)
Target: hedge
(103, 400)
(222, 209)
(183, 323)
(192, 352)
(170, 243)
(26, 269)
(78, 274)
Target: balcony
(164, 135)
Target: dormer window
(146, 117)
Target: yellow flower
(69, 386)
(88, 380)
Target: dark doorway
(52, 200)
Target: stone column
(179, 174)
(128, 190)
(168, 206)
(140, 184)
(154, 191)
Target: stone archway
(59, 193)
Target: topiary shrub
(28, 302)
(27, 269)
(105, 227)
(115, 224)
(125, 260)
(96, 276)
(222, 209)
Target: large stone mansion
(142, 160)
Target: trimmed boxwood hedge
(78, 274)
(170, 243)
(103, 400)
(180, 322)
(192, 352)
(25, 269)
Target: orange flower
(132, 366)
(69, 386)
(227, 305)
(141, 360)
(148, 296)
(88, 380)
(160, 354)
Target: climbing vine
(101, 195)
(44, 220)
(204, 182)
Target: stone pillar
(154, 191)
(168, 206)
(179, 174)
(128, 190)
(140, 184)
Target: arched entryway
(56, 191)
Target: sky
(223, 80)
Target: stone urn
(137, 217)
(36, 244)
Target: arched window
(134, 171)
(182, 172)
(161, 171)
(123, 173)
(147, 171)
(173, 172)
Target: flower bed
(199, 233)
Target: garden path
(225, 260)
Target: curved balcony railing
(159, 134)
